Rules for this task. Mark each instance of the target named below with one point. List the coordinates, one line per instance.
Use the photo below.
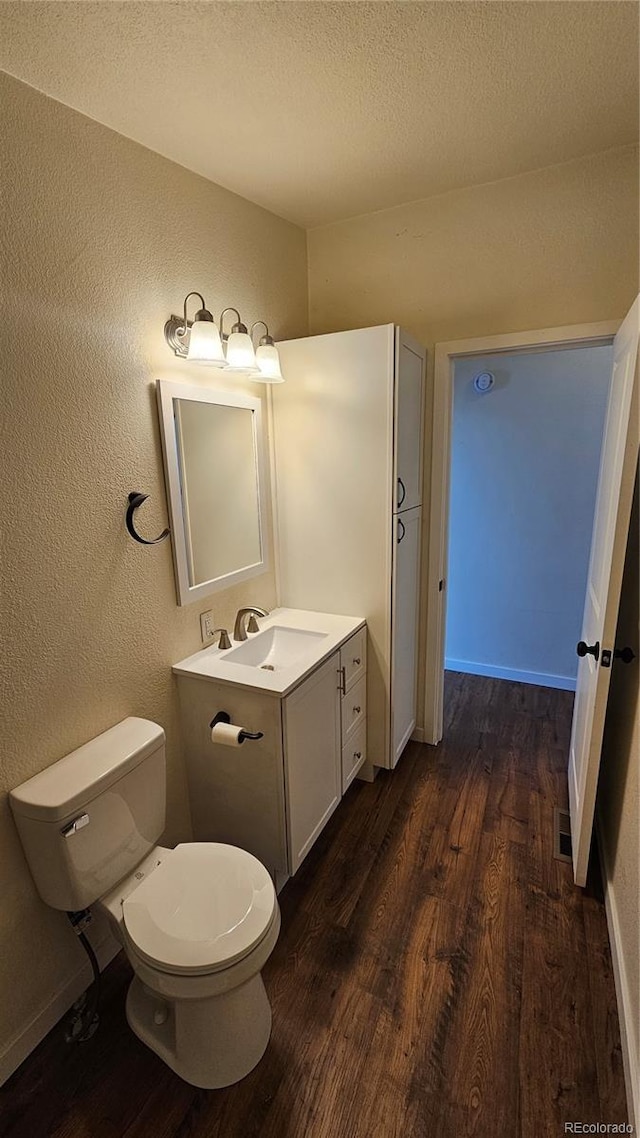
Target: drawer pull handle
(357, 754)
(357, 710)
(342, 686)
(357, 660)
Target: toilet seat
(205, 907)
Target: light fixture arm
(237, 327)
(176, 327)
(203, 309)
(266, 339)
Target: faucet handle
(224, 641)
(252, 624)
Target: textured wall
(556, 246)
(524, 470)
(101, 240)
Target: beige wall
(556, 246)
(102, 239)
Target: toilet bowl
(197, 930)
(197, 922)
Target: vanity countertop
(291, 643)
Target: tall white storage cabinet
(348, 444)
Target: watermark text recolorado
(598, 1128)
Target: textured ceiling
(320, 111)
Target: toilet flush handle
(78, 824)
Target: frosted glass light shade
(268, 361)
(240, 354)
(205, 345)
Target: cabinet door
(408, 421)
(404, 625)
(312, 758)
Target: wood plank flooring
(437, 975)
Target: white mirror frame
(167, 393)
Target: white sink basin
(274, 648)
(289, 645)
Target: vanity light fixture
(196, 340)
(200, 341)
(267, 358)
(240, 354)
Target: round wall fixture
(484, 381)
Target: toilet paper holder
(224, 717)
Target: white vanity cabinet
(274, 795)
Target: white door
(408, 414)
(313, 761)
(404, 629)
(610, 529)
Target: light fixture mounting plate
(175, 341)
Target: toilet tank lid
(71, 783)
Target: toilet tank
(88, 820)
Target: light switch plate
(206, 626)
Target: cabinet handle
(402, 487)
(357, 660)
(357, 710)
(401, 523)
(342, 686)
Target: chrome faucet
(239, 630)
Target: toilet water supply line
(84, 1019)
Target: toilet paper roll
(227, 734)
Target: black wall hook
(136, 499)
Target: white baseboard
(541, 679)
(29, 1037)
(418, 735)
(627, 1014)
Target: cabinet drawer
(354, 708)
(354, 755)
(353, 658)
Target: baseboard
(626, 1012)
(418, 735)
(496, 672)
(28, 1039)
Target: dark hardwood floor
(437, 975)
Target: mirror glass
(213, 457)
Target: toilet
(197, 922)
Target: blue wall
(523, 483)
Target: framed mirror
(215, 472)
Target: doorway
(526, 438)
(498, 349)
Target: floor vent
(561, 834)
